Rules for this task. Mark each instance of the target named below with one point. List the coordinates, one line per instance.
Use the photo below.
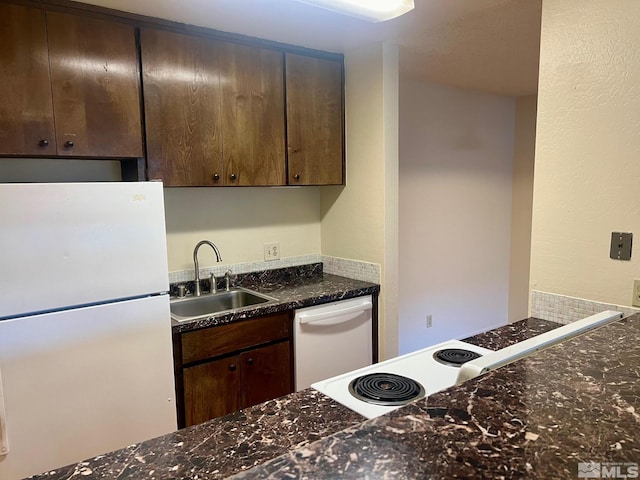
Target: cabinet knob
(250, 361)
(296, 177)
(233, 176)
(232, 367)
(68, 144)
(44, 143)
(216, 177)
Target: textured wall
(239, 221)
(521, 206)
(359, 221)
(456, 155)
(587, 170)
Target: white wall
(359, 221)
(587, 170)
(521, 207)
(239, 221)
(456, 154)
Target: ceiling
(486, 45)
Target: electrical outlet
(271, 251)
(429, 321)
(636, 293)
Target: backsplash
(564, 309)
(367, 272)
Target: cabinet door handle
(232, 367)
(250, 361)
(216, 177)
(233, 176)
(68, 144)
(44, 143)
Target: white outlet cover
(271, 251)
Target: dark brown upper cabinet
(70, 85)
(26, 108)
(214, 111)
(315, 129)
(96, 86)
(253, 115)
(182, 103)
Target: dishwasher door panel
(332, 339)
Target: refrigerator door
(77, 244)
(83, 382)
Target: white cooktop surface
(419, 366)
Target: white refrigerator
(85, 332)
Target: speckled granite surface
(578, 401)
(293, 287)
(222, 446)
(512, 333)
(293, 430)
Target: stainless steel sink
(189, 308)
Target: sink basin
(210, 304)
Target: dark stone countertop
(537, 418)
(511, 333)
(285, 429)
(293, 287)
(222, 446)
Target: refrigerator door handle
(4, 440)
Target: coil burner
(455, 356)
(386, 389)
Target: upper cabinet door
(26, 111)
(253, 115)
(315, 130)
(96, 86)
(181, 78)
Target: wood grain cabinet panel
(315, 129)
(211, 389)
(266, 373)
(182, 101)
(26, 108)
(221, 369)
(210, 342)
(214, 111)
(96, 86)
(70, 85)
(253, 115)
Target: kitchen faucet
(197, 291)
(227, 280)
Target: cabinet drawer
(213, 341)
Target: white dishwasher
(332, 339)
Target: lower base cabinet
(222, 369)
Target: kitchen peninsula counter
(283, 430)
(574, 403)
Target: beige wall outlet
(636, 293)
